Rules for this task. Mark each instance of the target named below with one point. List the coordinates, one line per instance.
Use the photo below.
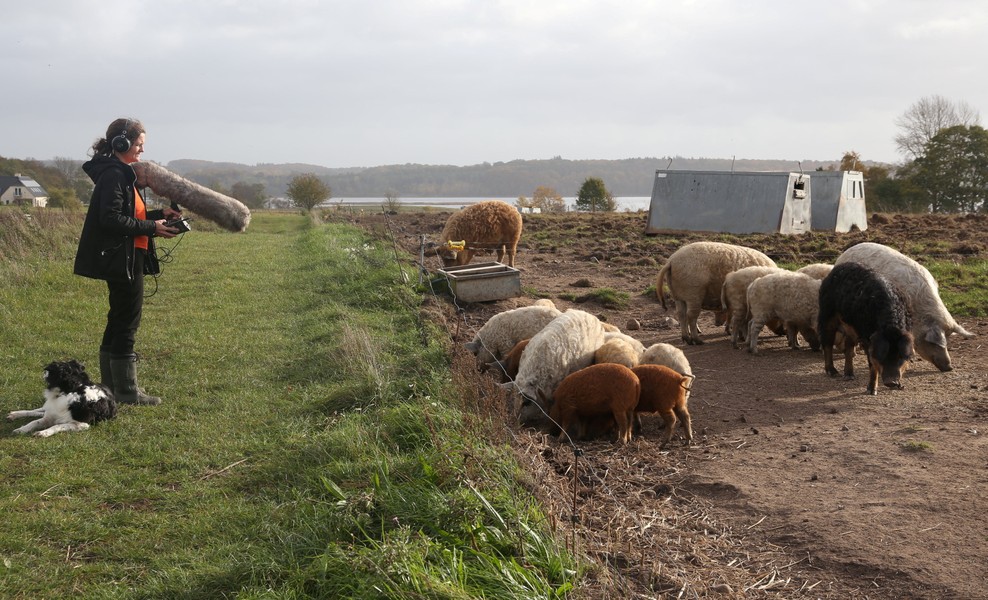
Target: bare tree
(926, 118)
(548, 199)
(69, 167)
(392, 202)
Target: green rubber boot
(124, 372)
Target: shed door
(796, 217)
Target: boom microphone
(229, 213)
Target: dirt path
(888, 488)
(799, 485)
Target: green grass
(532, 292)
(609, 298)
(311, 444)
(962, 286)
(914, 446)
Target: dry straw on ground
(643, 534)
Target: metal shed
(727, 201)
(838, 201)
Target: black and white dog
(72, 402)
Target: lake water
(625, 203)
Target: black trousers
(124, 317)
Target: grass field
(312, 443)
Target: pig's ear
(935, 336)
(906, 346)
(879, 347)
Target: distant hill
(624, 177)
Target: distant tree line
(626, 177)
(945, 170)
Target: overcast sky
(369, 82)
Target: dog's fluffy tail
(229, 213)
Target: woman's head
(124, 138)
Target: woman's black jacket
(106, 246)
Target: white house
(22, 190)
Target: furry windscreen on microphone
(229, 213)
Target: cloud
(344, 83)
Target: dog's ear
(77, 373)
(75, 366)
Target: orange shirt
(140, 213)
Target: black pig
(871, 312)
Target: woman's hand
(161, 230)
(171, 214)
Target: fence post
(421, 256)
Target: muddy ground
(798, 485)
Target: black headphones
(120, 143)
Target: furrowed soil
(798, 485)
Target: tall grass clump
(401, 515)
(312, 442)
(32, 235)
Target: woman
(117, 246)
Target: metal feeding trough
(483, 282)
